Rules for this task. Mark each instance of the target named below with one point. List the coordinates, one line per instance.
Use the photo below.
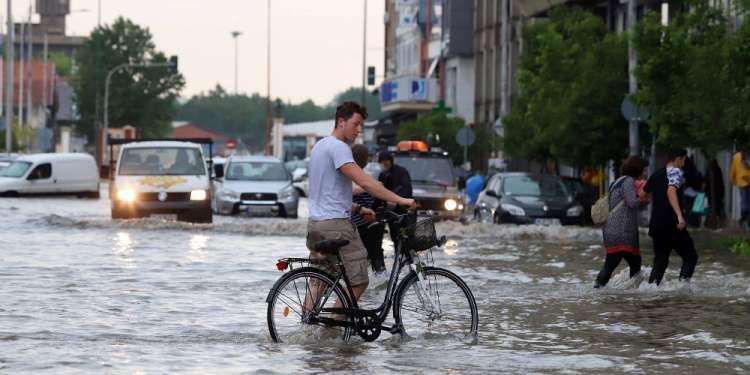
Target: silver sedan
(256, 185)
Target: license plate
(164, 216)
(547, 222)
(256, 209)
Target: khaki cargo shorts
(353, 255)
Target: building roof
(314, 128)
(190, 130)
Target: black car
(527, 198)
(583, 193)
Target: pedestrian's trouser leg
(662, 248)
(744, 203)
(634, 261)
(686, 249)
(610, 263)
(372, 239)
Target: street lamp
(235, 34)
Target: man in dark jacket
(396, 179)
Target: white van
(63, 173)
(161, 177)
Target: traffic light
(173, 64)
(370, 75)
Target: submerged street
(84, 293)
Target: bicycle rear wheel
(296, 304)
(439, 305)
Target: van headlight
(198, 195)
(286, 193)
(513, 209)
(126, 195)
(575, 210)
(450, 204)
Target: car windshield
(151, 161)
(14, 169)
(427, 169)
(257, 171)
(535, 186)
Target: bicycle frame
(401, 259)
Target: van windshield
(161, 161)
(427, 169)
(15, 169)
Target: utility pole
(504, 26)
(21, 81)
(632, 83)
(269, 119)
(9, 81)
(364, 54)
(236, 34)
(44, 79)
(29, 70)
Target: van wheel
(93, 194)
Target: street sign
(498, 127)
(465, 136)
(231, 144)
(631, 112)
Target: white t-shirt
(330, 191)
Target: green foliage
(22, 136)
(142, 97)
(63, 64)
(245, 116)
(572, 79)
(738, 245)
(684, 76)
(439, 130)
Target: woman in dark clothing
(621, 230)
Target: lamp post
(9, 81)
(269, 120)
(364, 52)
(236, 34)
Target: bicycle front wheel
(441, 304)
(297, 303)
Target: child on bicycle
(372, 238)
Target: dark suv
(434, 185)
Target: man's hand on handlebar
(411, 204)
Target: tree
(684, 77)
(372, 102)
(142, 97)
(572, 79)
(439, 130)
(63, 64)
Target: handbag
(600, 211)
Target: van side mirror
(219, 170)
(491, 193)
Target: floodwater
(80, 293)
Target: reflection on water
(123, 248)
(196, 248)
(83, 294)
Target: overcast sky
(316, 45)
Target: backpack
(600, 210)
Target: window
(42, 171)
(15, 169)
(534, 186)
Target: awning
(530, 8)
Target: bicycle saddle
(330, 246)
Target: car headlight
(198, 195)
(450, 204)
(229, 195)
(126, 195)
(575, 210)
(513, 209)
(286, 193)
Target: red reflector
(282, 265)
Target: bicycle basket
(423, 235)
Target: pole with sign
(465, 137)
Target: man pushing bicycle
(331, 171)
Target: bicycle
(429, 299)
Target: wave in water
(297, 228)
